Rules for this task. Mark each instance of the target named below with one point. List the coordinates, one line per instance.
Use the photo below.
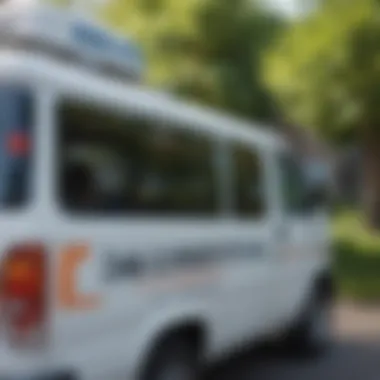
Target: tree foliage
(325, 71)
(208, 50)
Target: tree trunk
(371, 179)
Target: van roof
(79, 82)
(66, 33)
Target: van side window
(17, 114)
(181, 169)
(249, 182)
(292, 184)
(114, 164)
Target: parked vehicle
(141, 237)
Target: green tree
(325, 74)
(207, 50)
(87, 7)
(60, 3)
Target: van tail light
(23, 290)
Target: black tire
(312, 334)
(175, 357)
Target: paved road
(354, 356)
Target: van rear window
(16, 122)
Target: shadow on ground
(349, 359)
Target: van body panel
(116, 283)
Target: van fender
(165, 321)
(321, 285)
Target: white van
(141, 237)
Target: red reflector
(18, 144)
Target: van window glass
(114, 164)
(16, 137)
(249, 182)
(293, 185)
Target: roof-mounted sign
(66, 32)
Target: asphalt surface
(354, 355)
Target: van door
(298, 237)
(248, 300)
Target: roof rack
(65, 35)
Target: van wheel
(174, 358)
(312, 335)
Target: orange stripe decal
(69, 297)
